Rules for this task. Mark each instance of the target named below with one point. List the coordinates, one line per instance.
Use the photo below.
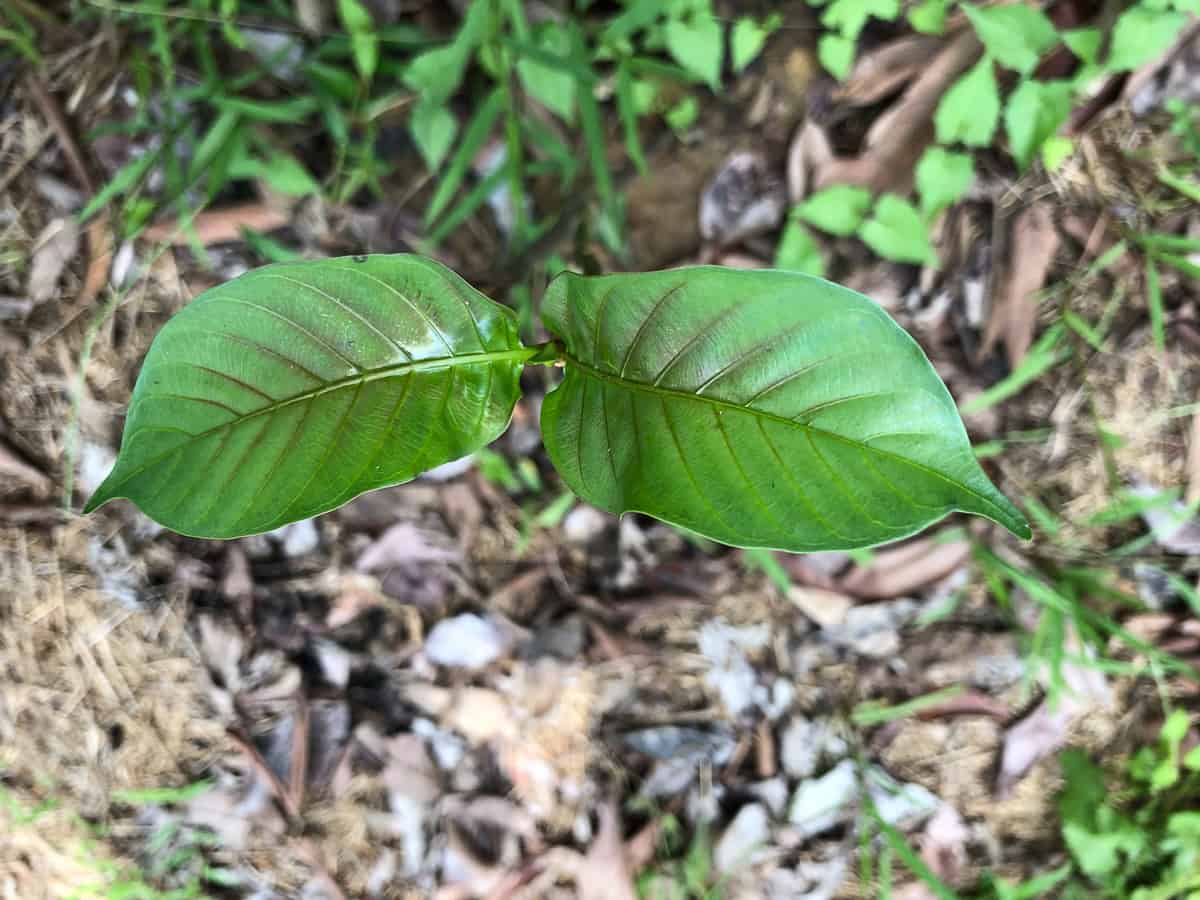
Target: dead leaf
(944, 845)
(882, 71)
(809, 152)
(13, 466)
(604, 874)
(1014, 312)
(903, 569)
(897, 138)
(827, 608)
(219, 226)
(1045, 730)
(744, 198)
(403, 543)
(56, 246)
(1176, 528)
(356, 594)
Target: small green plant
(760, 409)
(1141, 842)
(970, 115)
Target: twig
(58, 122)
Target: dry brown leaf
(897, 138)
(944, 845)
(809, 152)
(402, 544)
(1014, 313)
(827, 608)
(604, 874)
(1045, 730)
(880, 72)
(903, 569)
(56, 246)
(217, 226)
(12, 466)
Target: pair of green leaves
(762, 409)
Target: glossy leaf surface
(288, 391)
(758, 408)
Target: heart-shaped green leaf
(761, 409)
(288, 391)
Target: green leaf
(748, 37)
(364, 42)
(553, 88)
(1141, 35)
(281, 171)
(1084, 42)
(1055, 151)
(286, 392)
(683, 114)
(969, 111)
(838, 209)
(798, 251)
(942, 179)
(437, 73)
(479, 129)
(1015, 34)
(836, 54)
(697, 45)
(928, 16)
(757, 408)
(1034, 112)
(896, 231)
(433, 128)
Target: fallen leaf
(604, 873)
(826, 608)
(901, 570)
(13, 466)
(944, 845)
(898, 138)
(219, 226)
(883, 70)
(1045, 730)
(56, 246)
(1014, 311)
(1176, 528)
(744, 198)
(403, 543)
(809, 151)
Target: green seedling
(757, 408)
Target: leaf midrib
(811, 429)
(408, 367)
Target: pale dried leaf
(12, 466)
(944, 845)
(219, 226)
(903, 569)
(809, 152)
(897, 139)
(1175, 528)
(1014, 315)
(604, 874)
(882, 71)
(403, 543)
(827, 608)
(1045, 730)
(56, 246)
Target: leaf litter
(380, 699)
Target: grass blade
(477, 132)
(1155, 302)
(627, 110)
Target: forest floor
(475, 685)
